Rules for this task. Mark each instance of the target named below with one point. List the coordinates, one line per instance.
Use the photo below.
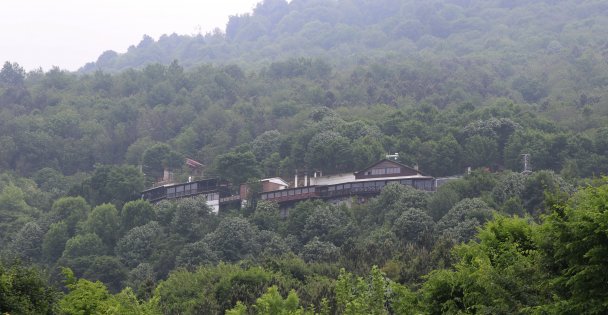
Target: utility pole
(527, 168)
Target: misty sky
(70, 33)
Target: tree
(104, 222)
(14, 211)
(480, 151)
(272, 303)
(139, 244)
(26, 244)
(266, 144)
(24, 291)
(462, 221)
(373, 295)
(327, 223)
(12, 75)
(237, 167)
(329, 151)
(498, 275)
(135, 213)
(415, 226)
(318, 251)
(196, 254)
(71, 210)
(266, 216)
(574, 251)
(116, 184)
(107, 269)
(234, 239)
(192, 218)
(83, 245)
(85, 297)
(158, 158)
(53, 242)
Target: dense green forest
(318, 85)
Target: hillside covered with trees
(318, 85)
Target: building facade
(338, 188)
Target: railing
(230, 199)
(291, 198)
(350, 192)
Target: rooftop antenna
(527, 168)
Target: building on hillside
(338, 188)
(361, 185)
(213, 189)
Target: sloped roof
(392, 162)
(276, 180)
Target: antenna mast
(527, 168)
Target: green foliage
(116, 184)
(139, 244)
(14, 211)
(71, 210)
(53, 242)
(234, 239)
(87, 297)
(374, 295)
(158, 158)
(573, 241)
(104, 222)
(326, 86)
(84, 245)
(498, 275)
(23, 290)
(135, 213)
(272, 303)
(192, 218)
(26, 244)
(237, 167)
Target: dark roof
(393, 162)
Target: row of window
(384, 171)
(426, 184)
(288, 192)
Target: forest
(318, 85)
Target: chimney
(305, 179)
(296, 180)
(416, 167)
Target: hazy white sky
(70, 33)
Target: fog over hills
(354, 31)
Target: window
(212, 196)
(264, 196)
(346, 186)
(378, 171)
(393, 170)
(406, 182)
(339, 187)
(283, 194)
(331, 188)
(291, 192)
(298, 191)
(369, 184)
